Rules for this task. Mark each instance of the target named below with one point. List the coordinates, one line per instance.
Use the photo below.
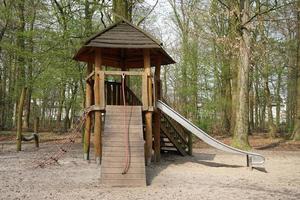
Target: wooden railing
(115, 98)
(181, 135)
(113, 93)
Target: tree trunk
(278, 99)
(240, 137)
(19, 121)
(122, 9)
(271, 126)
(296, 132)
(60, 109)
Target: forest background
(237, 70)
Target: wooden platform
(117, 120)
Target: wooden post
(148, 114)
(98, 121)
(144, 91)
(190, 144)
(88, 121)
(36, 131)
(157, 116)
(19, 119)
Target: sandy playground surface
(209, 174)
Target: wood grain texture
(114, 147)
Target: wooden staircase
(173, 136)
(114, 146)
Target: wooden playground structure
(137, 132)
(131, 124)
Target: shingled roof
(123, 42)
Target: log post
(19, 119)
(157, 116)
(36, 131)
(190, 144)
(88, 121)
(98, 121)
(148, 114)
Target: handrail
(174, 128)
(132, 98)
(127, 73)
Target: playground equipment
(120, 143)
(252, 158)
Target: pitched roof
(126, 36)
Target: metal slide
(252, 158)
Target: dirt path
(209, 174)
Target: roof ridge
(144, 32)
(151, 37)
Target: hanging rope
(127, 162)
(66, 144)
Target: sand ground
(209, 174)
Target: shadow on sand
(171, 158)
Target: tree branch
(225, 5)
(148, 13)
(275, 7)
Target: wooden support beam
(145, 92)
(90, 75)
(190, 144)
(157, 113)
(88, 121)
(98, 121)
(148, 114)
(127, 73)
(102, 89)
(148, 147)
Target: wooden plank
(114, 147)
(119, 170)
(123, 176)
(121, 118)
(121, 149)
(172, 139)
(121, 165)
(127, 73)
(127, 46)
(122, 126)
(127, 37)
(118, 154)
(122, 144)
(125, 183)
(117, 138)
(121, 114)
(122, 41)
(132, 137)
(125, 120)
(122, 159)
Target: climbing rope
(127, 161)
(66, 144)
